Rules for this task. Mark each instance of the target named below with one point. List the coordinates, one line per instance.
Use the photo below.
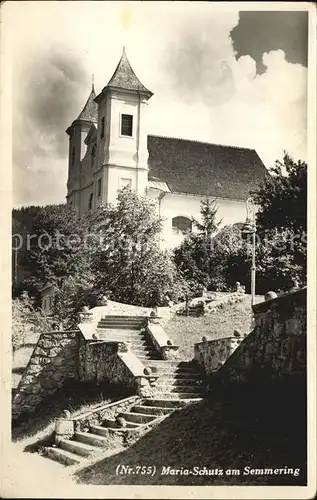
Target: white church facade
(109, 148)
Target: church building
(109, 148)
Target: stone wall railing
(212, 354)
(66, 427)
(160, 339)
(277, 345)
(113, 362)
(54, 359)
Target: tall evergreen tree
(192, 257)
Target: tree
(282, 197)
(192, 257)
(70, 295)
(281, 247)
(26, 320)
(127, 260)
(282, 225)
(52, 245)
(208, 225)
(230, 258)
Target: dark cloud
(262, 31)
(197, 66)
(48, 88)
(48, 100)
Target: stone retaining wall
(54, 359)
(277, 345)
(102, 361)
(212, 354)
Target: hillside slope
(186, 331)
(257, 428)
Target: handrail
(101, 407)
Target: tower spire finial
(92, 82)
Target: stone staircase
(181, 378)
(128, 329)
(93, 443)
(179, 383)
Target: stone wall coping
(132, 362)
(88, 329)
(159, 335)
(103, 407)
(300, 295)
(219, 340)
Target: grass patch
(186, 331)
(74, 396)
(20, 359)
(237, 427)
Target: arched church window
(90, 201)
(181, 225)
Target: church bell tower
(122, 132)
(77, 133)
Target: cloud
(47, 83)
(182, 52)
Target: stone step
(168, 362)
(182, 388)
(116, 331)
(144, 350)
(105, 431)
(186, 375)
(191, 382)
(148, 357)
(111, 431)
(189, 396)
(139, 343)
(153, 410)
(91, 439)
(113, 424)
(63, 456)
(110, 338)
(162, 372)
(140, 418)
(121, 325)
(115, 326)
(164, 403)
(131, 336)
(123, 316)
(165, 365)
(123, 320)
(78, 448)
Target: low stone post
(85, 316)
(142, 385)
(64, 428)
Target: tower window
(93, 151)
(181, 225)
(90, 201)
(126, 125)
(102, 130)
(73, 155)
(99, 187)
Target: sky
(218, 75)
